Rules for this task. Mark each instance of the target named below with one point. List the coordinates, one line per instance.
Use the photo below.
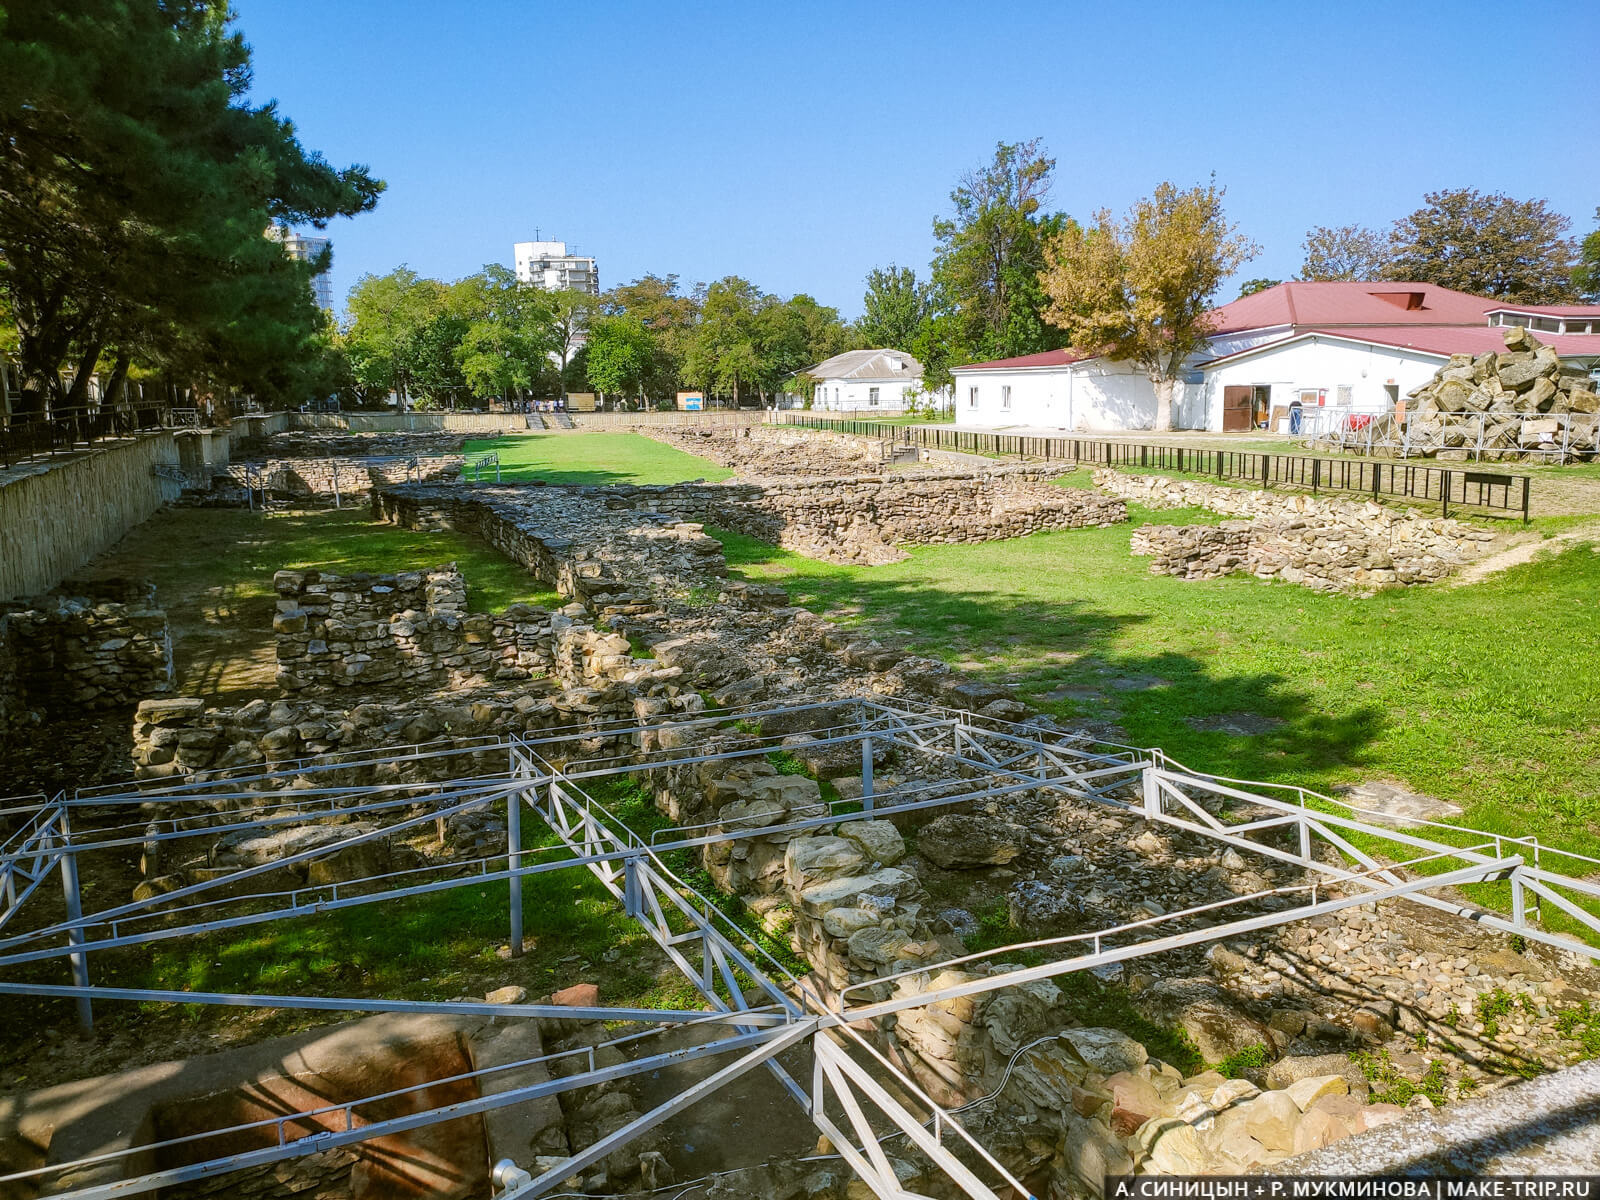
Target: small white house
(866, 381)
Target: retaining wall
(54, 517)
(492, 423)
(69, 653)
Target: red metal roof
(1045, 358)
(1327, 304)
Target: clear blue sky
(802, 144)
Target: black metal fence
(25, 436)
(1450, 488)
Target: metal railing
(1547, 437)
(1413, 483)
(25, 436)
(477, 466)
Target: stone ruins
(1317, 542)
(1217, 1057)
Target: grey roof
(867, 364)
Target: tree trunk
(1164, 388)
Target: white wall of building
(1091, 396)
(853, 395)
(1354, 376)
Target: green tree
(1349, 252)
(570, 314)
(509, 334)
(895, 309)
(990, 252)
(1140, 289)
(721, 356)
(1489, 245)
(133, 199)
(1586, 276)
(669, 315)
(1251, 286)
(386, 316)
(621, 356)
(792, 335)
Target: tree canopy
(1139, 289)
(136, 186)
(1348, 252)
(989, 254)
(895, 309)
(1586, 276)
(1490, 245)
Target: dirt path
(1524, 549)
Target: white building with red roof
(1352, 347)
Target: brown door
(1235, 409)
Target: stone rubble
(1314, 541)
(1525, 399)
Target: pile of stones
(1523, 400)
(1314, 541)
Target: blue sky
(802, 144)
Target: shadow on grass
(1068, 657)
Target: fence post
(513, 861)
(1316, 474)
(866, 773)
(1444, 490)
(69, 886)
(1525, 482)
(1377, 478)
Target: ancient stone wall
(60, 653)
(412, 629)
(636, 541)
(1314, 541)
(343, 477)
(56, 516)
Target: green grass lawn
(595, 458)
(1480, 695)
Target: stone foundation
(412, 629)
(1330, 545)
(77, 652)
(596, 543)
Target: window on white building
(872, 397)
(972, 397)
(1005, 395)
(1345, 395)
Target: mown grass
(594, 458)
(229, 555)
(1473, 694)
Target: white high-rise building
(299, 246)
(548, 266)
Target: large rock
(1107, 1050)
(1173, 1147)
(878, 840)
(1271, 1118)
(961, 842)
(810, 860)
(1215, 1022)
(1090, 1152)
